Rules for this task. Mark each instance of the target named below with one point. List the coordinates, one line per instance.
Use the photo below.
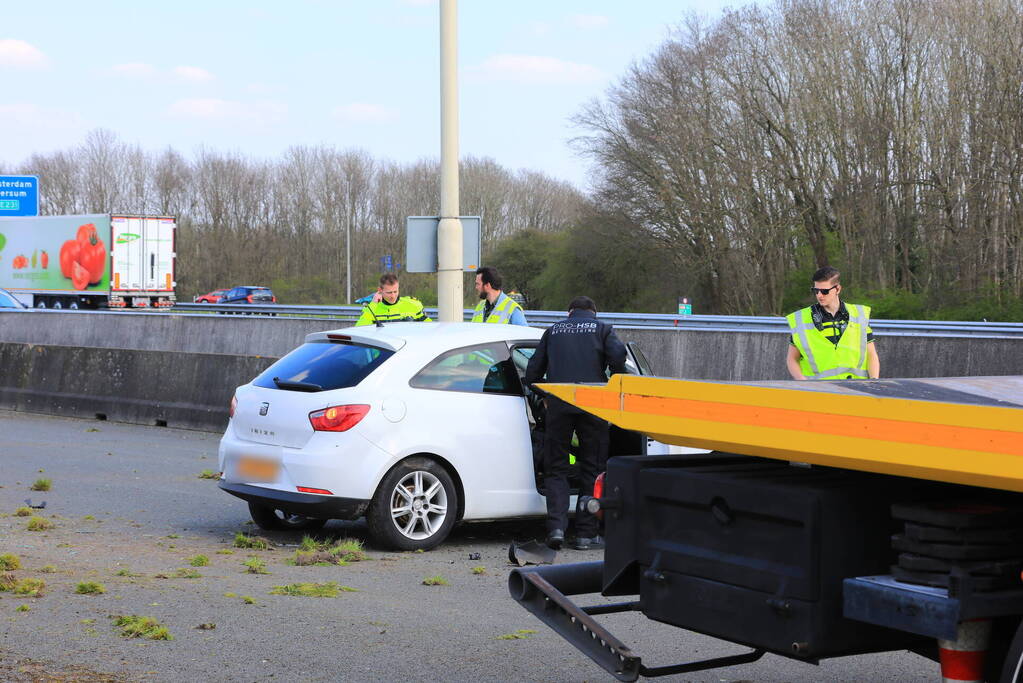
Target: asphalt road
(128, 507)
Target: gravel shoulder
(129, 511)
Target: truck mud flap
(543, 592)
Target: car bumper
(308, 504)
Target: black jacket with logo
(577, 349)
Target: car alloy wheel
(419, 505)
(415, 506)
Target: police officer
(831, 339)
(577, 349)
(390, 306)
(495, 306)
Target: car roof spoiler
(349, 335)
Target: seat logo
(264, 409)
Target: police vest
(501, 313)
(405, 308)
(821, 359)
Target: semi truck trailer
(89, 261)
(828, 519)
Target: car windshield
(8, 301)
(323, 365)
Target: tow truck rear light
(234, 404)
(598, 493)
(337, 418)
(249, 298)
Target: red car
(213, 297)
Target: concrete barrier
(181, 370)
(189, 390)
(673, 352)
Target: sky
(258, 77)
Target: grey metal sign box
(421, 243)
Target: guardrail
(708, 323)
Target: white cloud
(588, 21)
(39, 129)
(134, 70)
(192, 74)
(252, 114)
(21, 55)
(533, 69)
(364, 112)
(258, 89)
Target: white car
(414, 425)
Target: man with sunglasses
(831, 339)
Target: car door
(471, 404)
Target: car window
(326, 364)
(483, 369)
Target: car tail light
(598, 492)
(273, 299)
(249, 298)
(306, 489)
(337, 418)
(234, 404)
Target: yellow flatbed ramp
(962, 430)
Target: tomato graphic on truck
(100, 260)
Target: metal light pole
(449, 232)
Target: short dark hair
(489, 276)
(388, 279)
(827, 274)
(582, 303)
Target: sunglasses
(823, 291)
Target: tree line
(884, 137)
(285, 222)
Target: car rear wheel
(414, 507)
(274, 519)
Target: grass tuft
(199, 561)
(248, 600)
(48, 569)
(225, 551)
(22, 608)
(521, 634)
(41, 484)
(312, 590)
(23, 512)
(251, 542)
(30, 587)
(133, 626)
(479, 570)
(39, 524)
(209, 474)
(9, 562)
(320, 553)
(90, 588)
(255, 565)
(435, 581)
(7, 582)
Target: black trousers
(591, 457)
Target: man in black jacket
(576, 349)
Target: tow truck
(827, 519)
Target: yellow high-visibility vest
(501, 313)
(819, 357)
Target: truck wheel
(73, 305)
(41, 303)
(273, 519)
(414, 507)
(57, 304)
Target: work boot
(585, 543)
(555, 539)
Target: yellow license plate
(257, 469)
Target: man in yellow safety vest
(831, 339)
(390, 306)
(495, 306)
